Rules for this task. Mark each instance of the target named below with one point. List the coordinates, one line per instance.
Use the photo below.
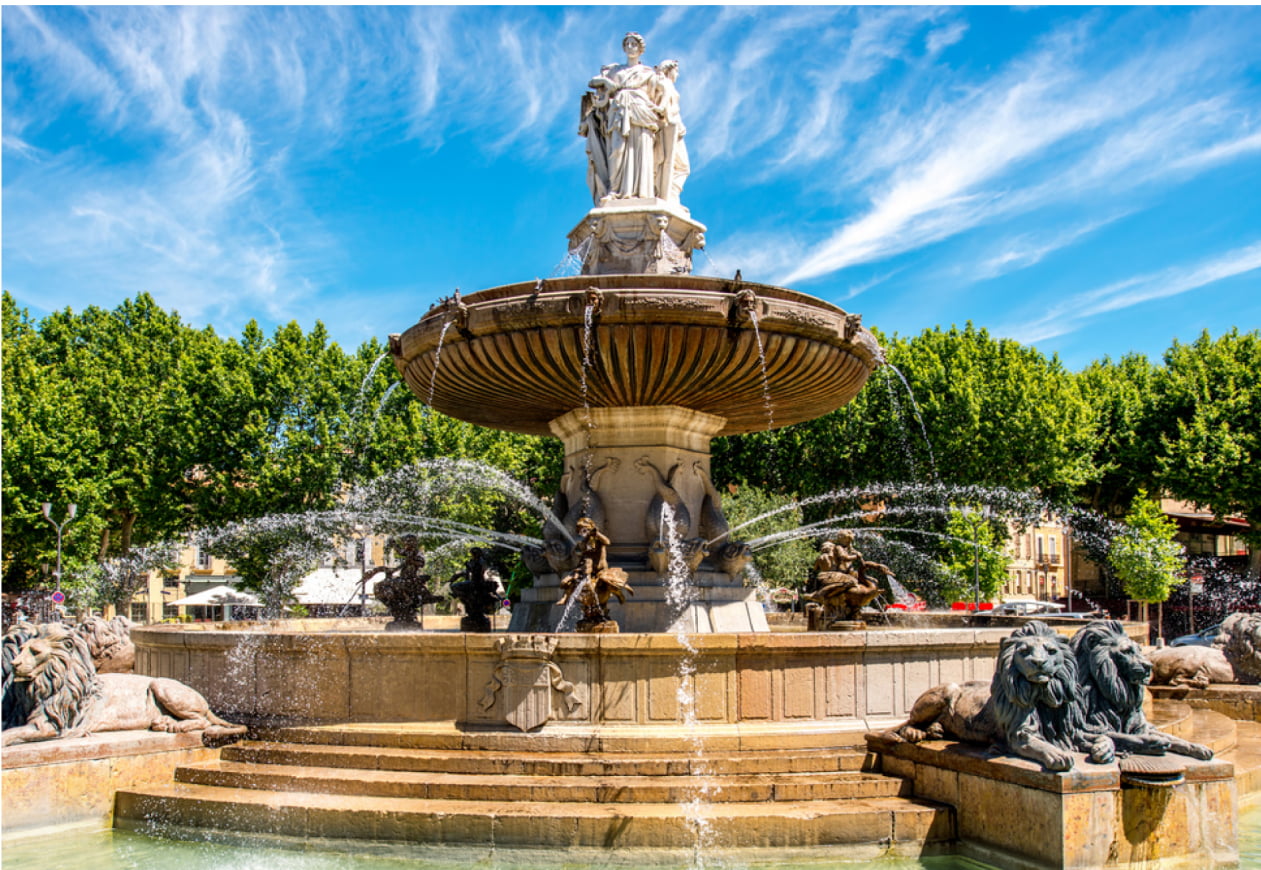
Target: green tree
(51, 445)
(994, 412)
(1145, 557)
(1120, 396)
(1210, 401)
(786, 561)
(974, 553)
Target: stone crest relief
(524, 681)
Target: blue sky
(1087, 180)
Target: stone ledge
(74, 780)
(113, 744)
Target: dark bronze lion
(1114, 675)
(1027, 708)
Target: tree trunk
(129, 523)
(104, 545)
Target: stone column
(655, 439)
(628, 454)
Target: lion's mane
(63, 691)
(1017, 699)
(1114, 677)
(15, 702)
(1240, 641)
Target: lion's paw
(1103, 750)
(1199, 751)
(1058, 761)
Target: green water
(86, 849)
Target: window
(139, 612)
(170, 580)
(1040, 547)
(203, 560)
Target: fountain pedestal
(627, 461)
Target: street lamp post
(975, 518)
(48, 515)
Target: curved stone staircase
(725, 788)
(563, 787)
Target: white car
(1026, 608)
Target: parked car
(1203, 637)
(1027, 608)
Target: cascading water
(928, 444)
(437, 360)
(679, 597)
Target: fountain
(676, 719)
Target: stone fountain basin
(511, 357)
(822, 682)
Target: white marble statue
(630, 118)
(673, 165)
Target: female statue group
(630, 118)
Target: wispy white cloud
(1075, 311)
(1029, 249)
(963, 159)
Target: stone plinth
(1012, 814)
(637, 237)
(839, 682)
(73, 780)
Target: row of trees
(153, 428)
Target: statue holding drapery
(630, 118)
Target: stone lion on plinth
(53, 671)
(1114, 676)
(1240, 641)
(1027, 708)
(1234, 657)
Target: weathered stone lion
(67, 698)
(1240, 641)
(1195, 667)
(1027, 708)
(1114, 676)
(109, 643)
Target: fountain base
(716, 602)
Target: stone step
(885, 821)
(585, 739)
(472, 761)
(1219, 733)
(1246, 756)
(503, 788)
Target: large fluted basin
(758, 356)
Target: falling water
(896, 407)
(573, 260)
(773, 442)
(569, 618)
(932, 460)
(367, 381)
(437, 359)
(588, 320)
(680, 594)
(389, 391)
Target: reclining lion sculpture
(1234, 657)
(1114, 675)
(1027, 708)
(54, 678)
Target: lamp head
(74, 509)
(48, 510)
